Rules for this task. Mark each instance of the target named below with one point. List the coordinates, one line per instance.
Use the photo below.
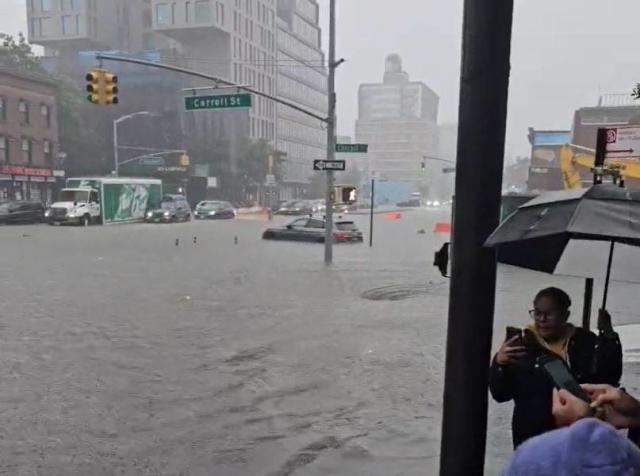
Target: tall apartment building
(398, 119)
(302, 79)
(232, 39)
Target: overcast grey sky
(564, 54)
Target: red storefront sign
(28, 171)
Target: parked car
(411, 203)
(296, 207)
(214, 210)
(173, 208)
(313, 230)
(21, 211)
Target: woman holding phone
(516, 374)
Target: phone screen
(562, 378)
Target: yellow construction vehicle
(576, 164)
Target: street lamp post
(116, 161)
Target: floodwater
(125, 354)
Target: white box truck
(105, 200)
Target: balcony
(65, 30)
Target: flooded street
(124, 353)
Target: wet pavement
(124, 353)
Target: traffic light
(110, 88)
(94, 86)
(102, 87)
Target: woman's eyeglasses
(537, 314)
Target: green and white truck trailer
(105, 200)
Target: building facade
(302, 79)
(232, 39)
(28, 137)
(398, 119)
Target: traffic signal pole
(331, 135)
(484, 86)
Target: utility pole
(486, 50)
(331, 135)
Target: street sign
(329, 165)
(352, 148)
(623, 142)
(227, 101)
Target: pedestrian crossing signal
(347, 193)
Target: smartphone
(514, 332)
(562, 377)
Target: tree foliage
(77, 125)
(636, 91)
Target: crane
(576, 164)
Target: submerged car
(173, 208)
(214, 210)
(21, 211)
(297, 207)
(313, 230)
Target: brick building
(28, 137)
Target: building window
(3, 108)
(48, 151)
(23, 107)
(163, 14)
(46, 5)
(69, 25)
(46, 115)
(203, 11)
(26, 151)
(187, 11)
(220, 13)
(4, 150)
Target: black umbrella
(537, 235)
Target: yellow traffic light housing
(110, 88)
(94, 86)
(102, 87)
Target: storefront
(29, 183)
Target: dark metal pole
(373, 191)
(601, 154)
(331, 136)
(608, 278)
(481, 135)
(588, 301)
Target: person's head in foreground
(589, 447)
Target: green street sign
(227, 101)
(352, 148)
